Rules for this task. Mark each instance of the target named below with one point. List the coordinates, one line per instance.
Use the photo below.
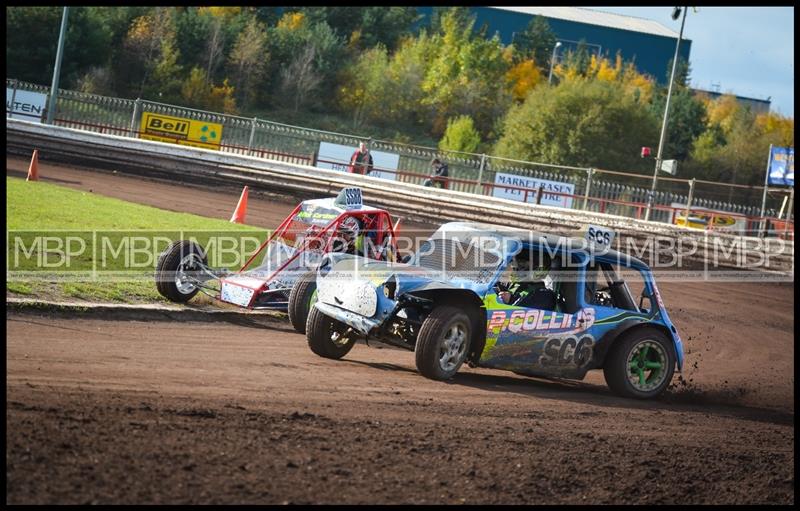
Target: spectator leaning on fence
(361, 161)
(438, 178)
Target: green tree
(193, 30)
(683, 72)
(405, 74)
(460, 135)
(583, 123)
(166, 78)
(579, 59)
(687, 121)
(248, 61)
(32, 40)
(365, 86)
(310, 53)
(148, 65)
(536, 42)
(735, 145)
(371, 25)
(466, 76)
(463, 16)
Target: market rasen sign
(533, 184)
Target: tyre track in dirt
(738, 336)
(102, 411)
(136, 412)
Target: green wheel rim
(646, 365)
(312, 300)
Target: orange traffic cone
(241, 208)
(33, 169)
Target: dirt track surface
(159, 412)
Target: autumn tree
(149, 61)
(365, 86)
(523, 78)
(198, 92)
(248, 61)
(735, 144)
(466, 76)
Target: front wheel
(443, 343)
(301, 300)
(640, 364)
(174, 270)
(327, 337)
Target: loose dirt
(102, 411)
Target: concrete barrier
(174, 162)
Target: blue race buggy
(491, 296)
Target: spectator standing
(361, 161)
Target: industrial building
(757, 106)
(649, 44)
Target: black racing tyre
(301, 299)
(640, 364)
(443, 342)
(325, 336)
(180, 257)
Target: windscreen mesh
(458, 260)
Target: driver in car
(526, 286)
(349, 238)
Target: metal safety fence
(591, 189)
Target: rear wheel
(301, 300)
(327, 337)
(641, 364)
(174, 270)
(443, 342)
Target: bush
(460, 135)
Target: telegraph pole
(651, 198)
(51, 107)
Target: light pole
(51, 107)
(552, 59)
(651, 197)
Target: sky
(748, 51)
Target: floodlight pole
(651, 196)
(552, 60)
(51, 107)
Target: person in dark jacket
(361, 161)
(439, 176)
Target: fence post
(478, 189)
(137, 111)
(252, 135)
(788, 213)
(689, 202)
(13, 97)
(763, 223)
(588, 187)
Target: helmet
(533, 265)
(349, 228)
